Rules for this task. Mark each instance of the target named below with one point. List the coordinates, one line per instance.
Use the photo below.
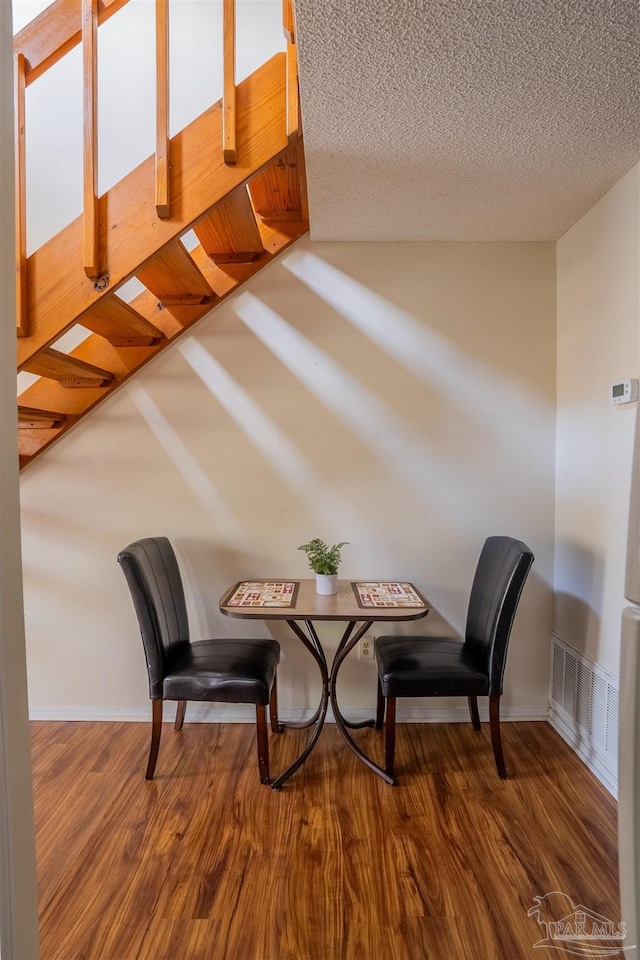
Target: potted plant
(324, 561)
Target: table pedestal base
(329, 679)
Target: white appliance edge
(629, 727)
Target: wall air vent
(583, 708)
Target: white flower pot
(326, 585)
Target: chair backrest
(500, 576)
(153, 575)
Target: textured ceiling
(465, 119)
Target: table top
(298, 600)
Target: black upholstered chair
(446, 667)
(221, 671)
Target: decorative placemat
(387, 593)
(264, 593)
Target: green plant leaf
(322, 558)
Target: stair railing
(56, 31)
(163, 199)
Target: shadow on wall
(205, 566)
(581, 595)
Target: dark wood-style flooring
(204, 862)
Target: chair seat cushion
(428, 667)
(223, 671)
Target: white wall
(598, 342)
(398, 396)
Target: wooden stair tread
(69, 371)
(230, 234)
(174, 279)
(276, 193)
(34, 418)
(120, 324)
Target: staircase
(235, 176)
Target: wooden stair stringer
(131, 233)
(48, 395)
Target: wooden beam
(174, 279)
(119, 323)
(293, 100)
(31, 418)
(91, 257)
(229, 71)
(67, 370)
(163, 203)
(20, 70)
(276, 192)
(39, 424)
(230, 233)
(198, 182)
(302, 180)
(288, 23)
(54, 32)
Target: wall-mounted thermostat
(624, 391)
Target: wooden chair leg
(390, 736)
(473, 710)
(263, 743)
(380, 707)
(276, 727)
(496, 741)
(180, 712)
(156, 730)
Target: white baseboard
(563, 724)
(239, 713)
(434, 714)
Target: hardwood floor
(205, 862)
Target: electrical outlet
(365, 648)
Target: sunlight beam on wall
(263, 433)
(487, 394)
(386, 436)
(431, 357)
(226, 525)
(270, 440)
